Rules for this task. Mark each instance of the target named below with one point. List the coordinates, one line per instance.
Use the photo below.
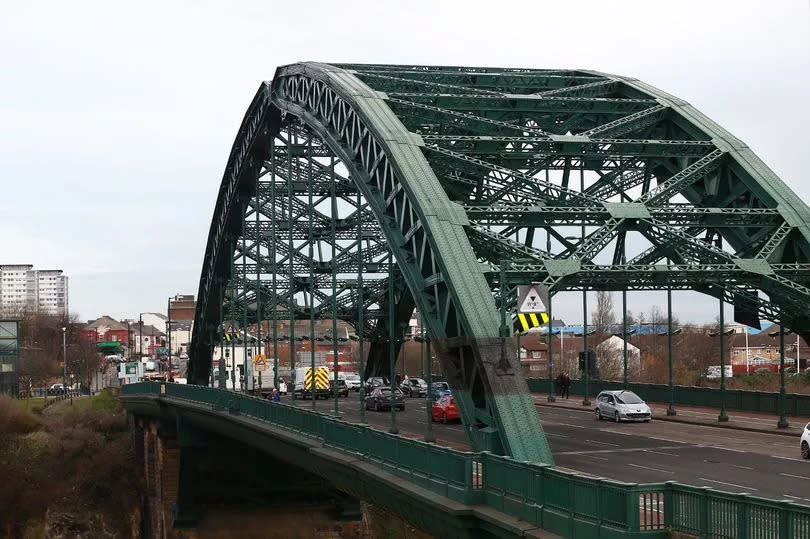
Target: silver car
(805, 443)
(621, 405)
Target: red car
(445, 409)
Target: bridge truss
(469, 182)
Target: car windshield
(353, 377)
(628, 397)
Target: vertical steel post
(311, 251)
(723, 414)
(429, 436)
(334, 213)
(586, 401)
(551, 397)
(671, 407)
(222, 380)
(291, 139)
(502, 286)
(360, 322)
(391, 339)
(783, 422)
(259, 314)
(169, 329)
(624, 335)
(426, 376)
(248, 368)
(273, 266)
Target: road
(760, 464)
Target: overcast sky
(115, 124)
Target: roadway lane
(760, 464)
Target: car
(353, 381)
(621, 405)
(56, 389)
(282, 386)
(375, 382)
(805, 443)
(342, 388)
(414, 387)
(445, 410)
(439, 390)
(380, 399)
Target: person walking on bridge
(565, 385)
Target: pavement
(697, 415)
(766, 464)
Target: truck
(304, 381)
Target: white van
(713, 372)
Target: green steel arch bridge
(361, 192)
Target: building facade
(25, 289)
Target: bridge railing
(796, 404)
(567, 503)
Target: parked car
(621, 405)
(445, 410)
(414, 387)
(343, 389)
(805, 443)
(353, 381)
(380, 399)
(374, 382)
(439, 390)
(56, 389)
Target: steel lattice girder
(461, 170)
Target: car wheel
(376, 406)
(805, 450)
(616, 417)
(598, 414)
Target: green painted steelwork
(452, 173)
(520, 498)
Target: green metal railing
(796, 404)
(566, 503)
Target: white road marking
(743, 467)
(796, 476)
(727, 484)
(557, 435)
(576, 426)
(726, 449)
(602, 443)
(649, 468)
(784, 458)
(595, 457)
(661, 453)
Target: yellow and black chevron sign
(321, 379)
(526, 321)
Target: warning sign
(260, 362)
(532, 299)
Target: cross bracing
(473, 181)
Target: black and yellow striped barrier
(321, 379)
(526, 321)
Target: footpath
(696, 415)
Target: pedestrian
(566, 384)
(559, 383)
(276, 395)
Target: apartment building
(23, 288)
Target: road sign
(532, 299)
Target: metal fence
(567, 503)
(796, 404)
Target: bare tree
(603, 317)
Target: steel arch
(460, 169)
